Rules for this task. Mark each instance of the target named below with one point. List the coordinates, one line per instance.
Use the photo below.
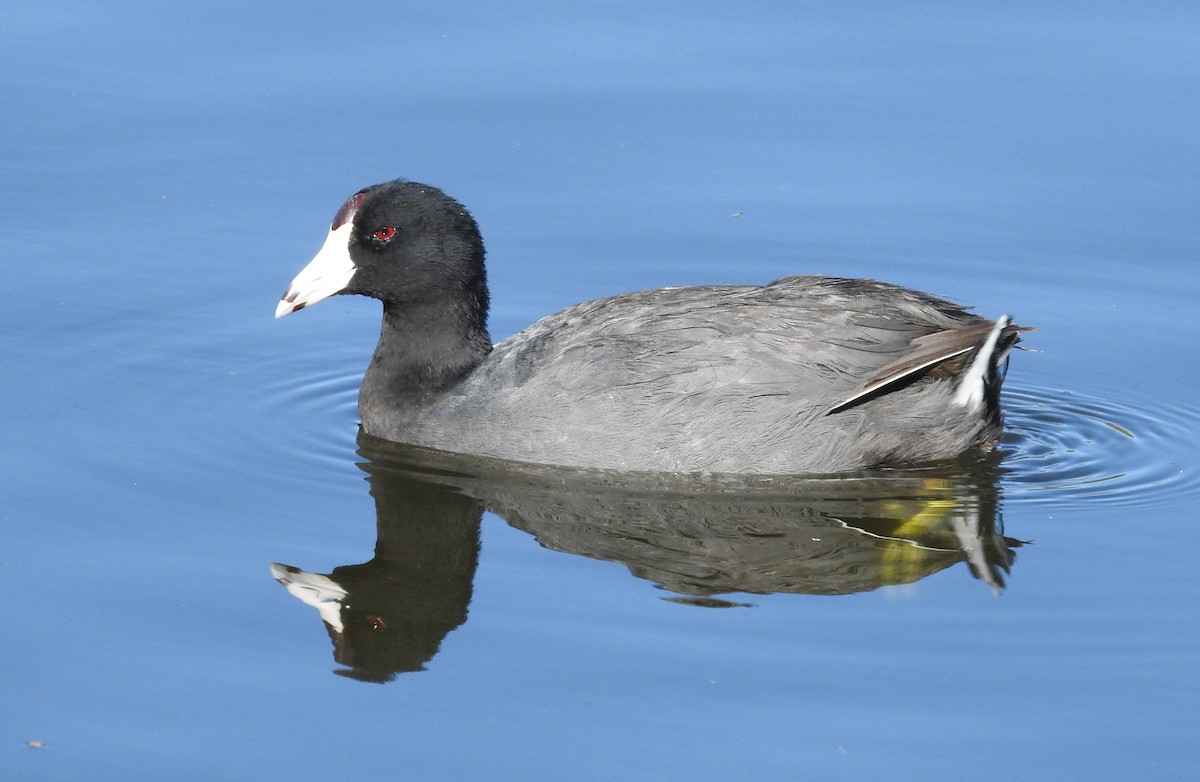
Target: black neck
(423, 350)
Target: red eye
(385, 233)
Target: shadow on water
(698, 537)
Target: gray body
(709, 379)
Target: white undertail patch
(973, 383)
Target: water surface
(167, 171)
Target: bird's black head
(408, 244)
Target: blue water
(166, 171)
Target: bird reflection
(697, 537)
(389, 615)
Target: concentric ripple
(1063, 447)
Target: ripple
(271, 422)
(324, 407)
(331, 394)
(1063, 446)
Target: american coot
(808, 374)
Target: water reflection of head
(389, 615)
